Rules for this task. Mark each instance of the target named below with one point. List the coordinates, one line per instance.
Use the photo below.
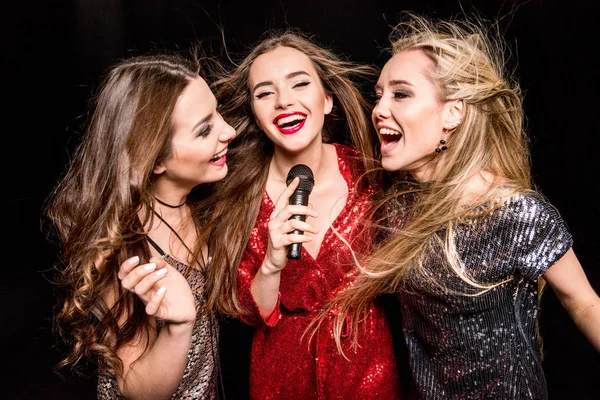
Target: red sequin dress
(284, 365)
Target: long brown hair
(238, 197)
(468, 65)
(94, 209)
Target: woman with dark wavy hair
(136, 277)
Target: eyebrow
(396, 82)
(202, 121)
(288, 76)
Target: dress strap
(156, 246)
(200, 262)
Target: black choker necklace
(169, 205)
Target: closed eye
(301, 84)
(263, 94)
(206, 131)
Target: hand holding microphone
(287, 222)
(299, 197)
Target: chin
(222, 174)
(217, 177)
(392, 166)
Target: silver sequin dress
(200, 376)
(485, 346)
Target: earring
(442, 146)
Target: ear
(328, 103)
(159, 168)
(453, 114)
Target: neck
(174, 208)
(314, 157)
(169, 205)
(427, 171)
(168, 195)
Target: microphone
(299, 197)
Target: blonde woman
(468, 238)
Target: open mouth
(291, 121)
(219, 155)
(289, 124)
(389, 137)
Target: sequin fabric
(200, 376)
(284, 364)
(484, 346)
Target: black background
(54, 52)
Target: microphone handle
(299, 197)
(294, 250)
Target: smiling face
(200, 139)
(288, 98)
(410, 116)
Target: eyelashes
(263, 94)
(298, 85)
(206, 131)
(302, 84)
(398, 95)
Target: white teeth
(291, 118)
(388, 131)
(219, 155)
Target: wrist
(180, 328)
(268, 269)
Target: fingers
(290, 210)
(154, 303)
(297, 225)
(284, 198)
(127, 266)
(282, 225)
(140, 278)
(288, 239)
(283, 210)
(282, 235)
(144, 286)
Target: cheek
(197, 153)
(315, 99)
(425, 122)
(259, 115)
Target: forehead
(278, 62)
(196, 100)
(412, 66)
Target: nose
(285, 98)
(227, 132)
(381, 111)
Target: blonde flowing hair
(468, 65)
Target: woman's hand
(280, 225)
(164, 290)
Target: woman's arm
(265, 285)
(568, 280)
(153, 365)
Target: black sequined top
(464, 344)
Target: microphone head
(307, 179)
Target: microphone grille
(307, 179)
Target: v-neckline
(344, 210)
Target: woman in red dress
(293, 102)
